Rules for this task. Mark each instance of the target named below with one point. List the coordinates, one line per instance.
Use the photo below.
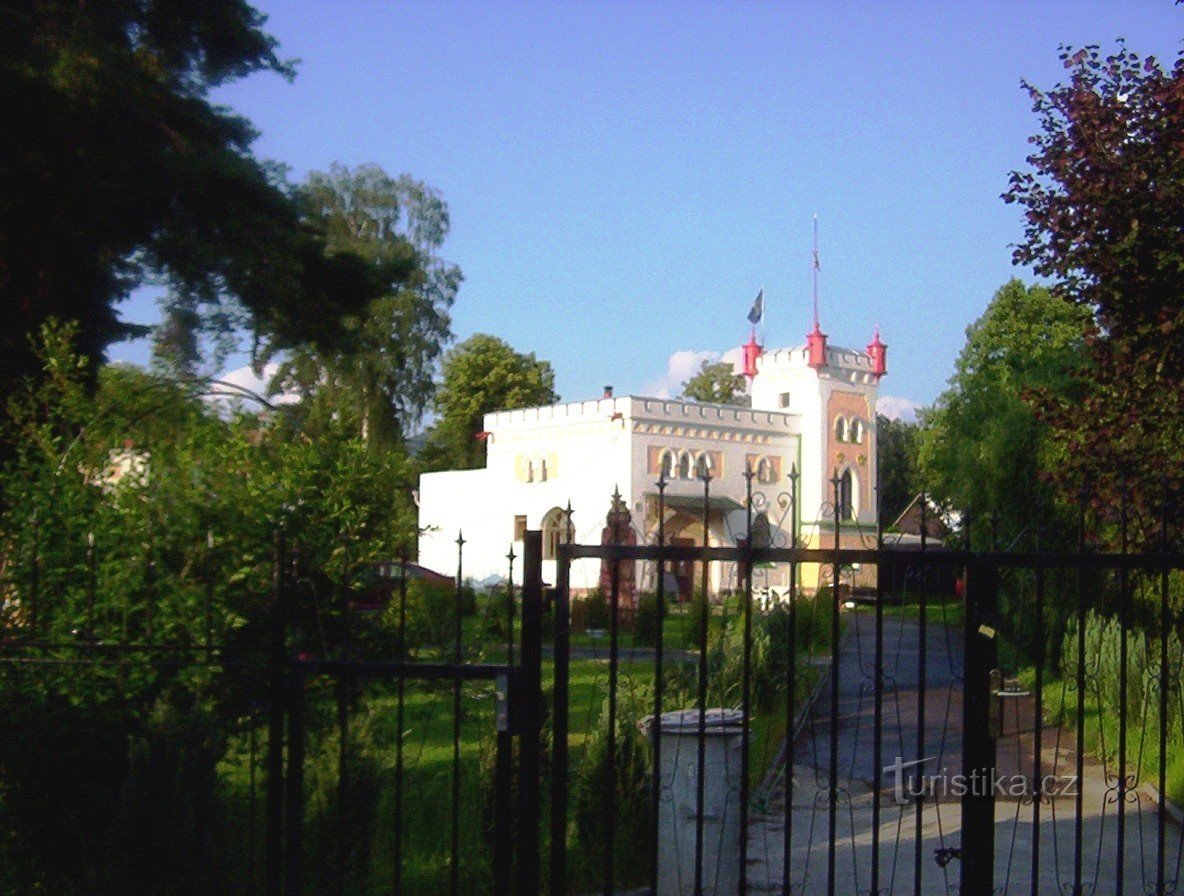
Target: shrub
(592, 611)
(647, 621)
(431, 612)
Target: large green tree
(983, 448)
(1104, 205)
(898, 446)
(481, 375)
(378, 380)
(716, 383)
(116, 169)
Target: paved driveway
(910, 835)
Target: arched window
(840, 429)
(857, 431)
(846, 496)
(684, 465)
(703, 465)
(555, 532)
(666, 464)
(764, 470)
(542, 469)
(530, 471)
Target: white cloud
(681, 366)
(246, 378)
(896, 407)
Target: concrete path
(911, 834)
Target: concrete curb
(1175, 813)
(780, 761)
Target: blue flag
(758, 309)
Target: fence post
(277, 693)
(978, 741)
(530, 715)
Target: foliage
(592, 611)
(140, 515)
(716, 383)
(898, 444)
(377, 382)
(1104, 206)
(481, 375)
(432, 612)
(123, 172)
(630, 791)
(983, 448)
(648, 619)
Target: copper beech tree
(1104, 208)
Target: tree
(1104, 209)
(123, 172)
(898, 445)
(983, 448)
(481, 375)
(378, 381)
(716, 383)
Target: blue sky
(623, 177)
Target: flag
(758, 309)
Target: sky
(623, 178)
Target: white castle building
(813, 409)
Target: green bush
(647, 620)
(431, 612)
(592, 610)
(633, 841)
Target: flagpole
(815, 270)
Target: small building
(813, 411)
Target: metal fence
(977, 721)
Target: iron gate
(925, 769)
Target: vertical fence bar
(559, 723)
(1124, 621)
(294, 799)
(503, 774)
(276, 712)
(922, 672)
(1165, 682)
(209, 569)
(457, 657)
(35, 578)
(610, 769)
(978, 742)
(701, 757)
(656, 728)
(529, 675)
(791, 687)
(342, 687)
(878, 698)
(832, 787)
(746, 682)
(400, 706)
(1079, 681)
(91, 585)
(252, 784)
(1038, 731)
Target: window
(857, 431)
(764, 470)
(846, 496)
(530, 471)
(703, 465)
(840, 429)
(684, 465)
(542, 469)
(666, 464)
(519, 527)
(555, 532)
(783, 400)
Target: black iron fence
(973, 721)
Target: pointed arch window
(840, 429)
(845, 497)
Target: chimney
(608, 392)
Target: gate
(914, 759)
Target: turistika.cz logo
(908, 784)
